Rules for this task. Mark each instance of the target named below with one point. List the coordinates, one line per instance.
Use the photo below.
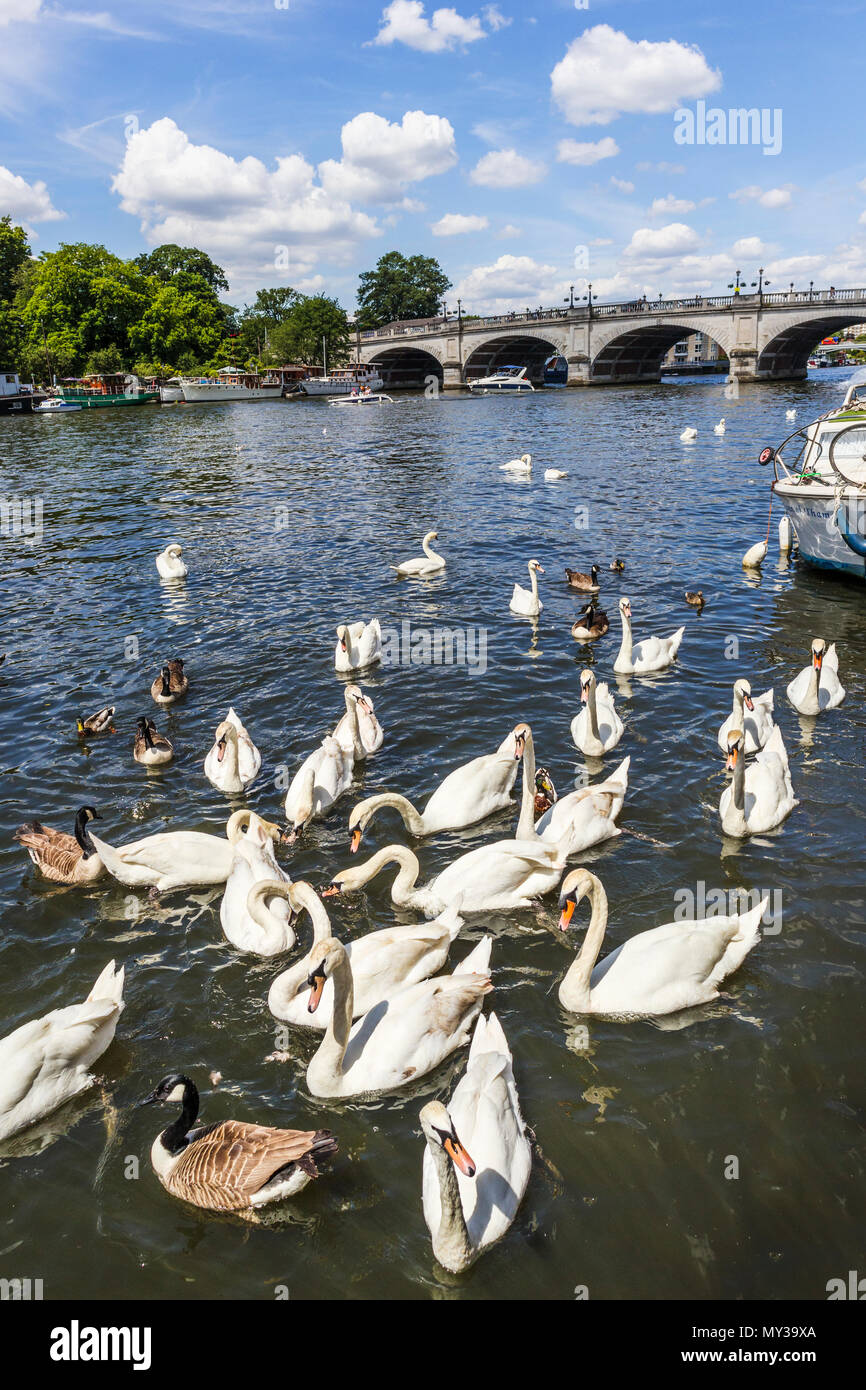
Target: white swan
(597, 728)
(254, 863)
(422, 565)
(652, 654)
(359, 731)
(401, 1039)
(45, 1062)
(761, 795)
(790, 414)
(358, 645)
(755, 556)
(234, 761)
(521, 465)
(720, 427)
(467, 795)
(552, 475)
(169, 564)
(477, 1158)
(526, 601)
(757, 725)
(577, 821)
(382, 962)
(176, 858)
(818, 688)
(688, 435)
(676, 966)
(321, 779)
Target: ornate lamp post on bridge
(570, 300)
(737, 284)
(588, 297)
(760, 283)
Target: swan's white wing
(472, 791)
(668, 968)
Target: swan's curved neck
(328, 1061)
(403, 892)
(593, 711)
(526, 823)
(274, 930)
(428, 549)
(625, 650)
(452, 1244)
(533, 579)
(412, 819)
(236, 825)
(352, 711)
(231, 759)
(576, 983)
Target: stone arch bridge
(765, 337)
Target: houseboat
(342, 381)
(100, 389)
(231, 384)
(15, 397)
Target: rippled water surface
(289, 514)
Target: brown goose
(98, 723)
(587, 582)
(696, 598)
(231, 1165)
(150, 747)
(61, 857)
(591, 624)
(171, 683)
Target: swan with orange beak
(817, 688)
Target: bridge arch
(407, 366)
(789, 349)
(512, 348)
(636, 354)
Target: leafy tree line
(82, 309)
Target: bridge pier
(579, 367)
(452, 376)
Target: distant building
(695, 353)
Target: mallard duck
(171, 684)
(60, 857)
(587, 582)
(617, 566)
(98, 723)
(45, 1062)
(231, 1165)
(695, 598)
(590, 625)
(545, 792)
(150, 748)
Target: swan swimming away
(169, 564)
(525, 602)
(688, 435)
(676, 966)
(358, 645)
(720, 427)
(652, 654)
(422, 565)
(46, 1062)
(552, 474)
(521, 465)
(477, 1156)
(817, 687)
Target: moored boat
(508, 381)
(822, 485)
(231, 384)
(16, 398)
(342, 381)
(100, 389)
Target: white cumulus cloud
(511, 282)
(605, 74)
(26, 202)
(506, 169)
(662, 243)
(586, 152)
(404, 21)
(623, 185)
(381, 158)
(455, 223)
(670, 206)
(765, 198)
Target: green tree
(11, 339)
(80, 300)
(184, 266)
(256, 322)
(14, 255)
(401, 287)
(177, 325)
(299, 337)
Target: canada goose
(171, 683)
(587, 582)
(591, 624)
(150, 747)
(169, 564)
(98, 723)
(61, 857)
(617, 566)
(45, 1062)
(231, 1165)
(695, 598)
(545, 792)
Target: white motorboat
(343, 381)
(822, 485)
(363, 398)
(55, 406)
(171, 391)
(511, 381)
(230, 384)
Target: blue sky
(527, 146)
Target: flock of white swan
(386, 1013)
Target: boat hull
(199, 392)
(315, 387)
(19, 405)
(101, 402)
(831, 528)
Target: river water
(289, 514)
